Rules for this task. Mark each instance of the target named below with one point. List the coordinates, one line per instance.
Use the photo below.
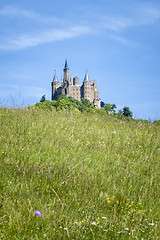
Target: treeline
(69, 103)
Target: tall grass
(91, 176)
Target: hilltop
(91, 175)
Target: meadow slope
(91, 176)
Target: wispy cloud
(119, 39)
(25, 91)
(52, 35)
(142, 16)
(12, 11)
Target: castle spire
(55, 79)
(86, 79)
(66, 65)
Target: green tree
(120, 112)
(113, 107)
(43, 98)
(102, 104)
(127, 112)
(108, 107)
(62, 96)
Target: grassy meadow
(91, 176)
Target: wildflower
(94, 223)
(104, 218)
(139, 203)
(114, 132)
(37, 212)
(151, 224)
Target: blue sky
(117, 41)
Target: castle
(72, 88)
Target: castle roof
(86, 79)
(66, 65)
(55, 79)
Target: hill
(91, 176)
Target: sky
(117, 42)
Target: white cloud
(116, 23)
(25, 41)
(25, 91)
(17, 12)
(119, 39)
(140, 17)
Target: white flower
(151, 224)
(94, 223)
(104, 218)
(114, 132)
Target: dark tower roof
(66, 65)
(55, 79)
(86, 79)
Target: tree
(120, 112)
(62, 96)
(102, 104)
(113, 107)
(110, 108)
(127, 112)
(43, 98)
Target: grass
(91, 176)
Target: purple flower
(158, 148)
(38, 213)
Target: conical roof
(86, 79)
(55, 79)
(66, 65)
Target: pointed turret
(66, 71)
(55, 86)
(86, 79)
(66, 65)
(55, 79)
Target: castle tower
(66, 72)
(86, 87)
(55, 86)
